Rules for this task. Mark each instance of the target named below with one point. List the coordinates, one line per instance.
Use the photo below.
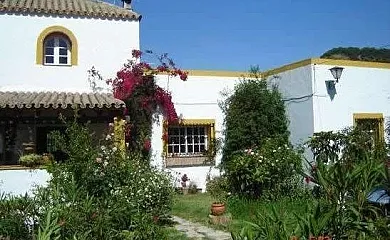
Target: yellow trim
(324, 61)
(197, 122)
(379, 116)
(287, 67)
(365, 64)
(212, 73)
(56, 29)
(119, 135)
(291, 66)
(357, 116)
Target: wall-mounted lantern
(336, 72)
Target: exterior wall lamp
(336, 72)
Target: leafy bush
(16, 217)
(253, 113)
(31, 160)
(348, 166)
(218, 188)
(98, 193)
(270, 170)
(192, 188)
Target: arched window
(57, 50)
(57, 46)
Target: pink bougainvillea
(138, 73)
(136, 85)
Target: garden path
(199, 231)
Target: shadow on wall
(331, 88)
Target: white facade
(196, 98)
(22, 181)
(103, 43)
(360, 90)
(311, 107)
(106, 44)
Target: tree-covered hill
(359, 54)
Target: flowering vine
(135, 84)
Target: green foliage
(271, 225)
(218, 188)
(253, 113)
(96, 194)
(16, 216)
(270, 170)
(31, 160)
(348, 166)
(192, 188)
(359, 54)
(49, 229)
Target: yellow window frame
(56, 29)
(210, 123)
(374, 116)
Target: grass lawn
(172, 233)
(196, 207)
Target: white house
(315, 102)
(48, 46)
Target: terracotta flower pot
(217, 209)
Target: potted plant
(31, 160)
(184, 180)
(217, 188)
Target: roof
(59, 100)
(291, 66)
(86, 8)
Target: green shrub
(31, 160)
(218, 188)
(192, 188)
(17, 217)
(253, 113)
(348, 166)
(98, 193)
(270, 170)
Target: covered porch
(27, 118)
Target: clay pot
(217, 209)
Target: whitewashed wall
(197, 98)
(105, 44)
(20, 182)
(360, 90)
(297, 89)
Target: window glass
(49, 59)
(57, 50)
(187, 140)
(49, 51)
(50, 42)
(63, 51)
(62, 42)
(63, 60)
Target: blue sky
(233, 35)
